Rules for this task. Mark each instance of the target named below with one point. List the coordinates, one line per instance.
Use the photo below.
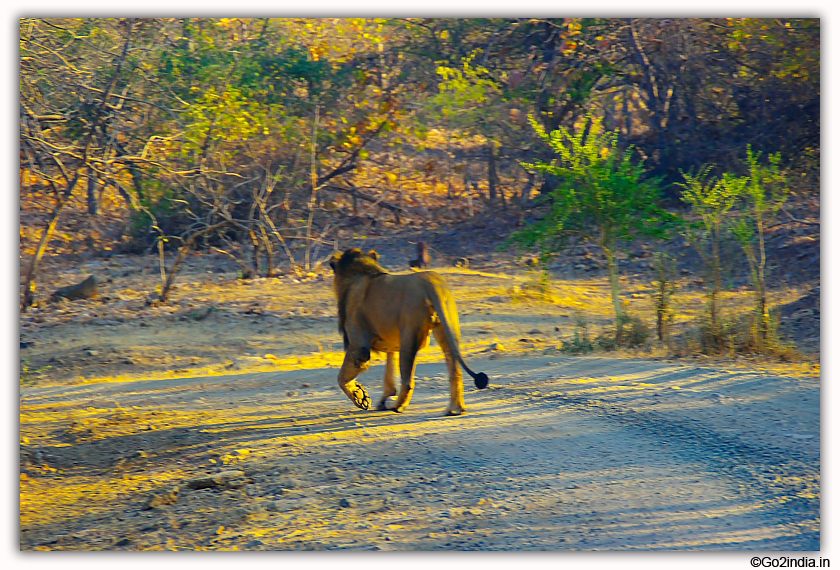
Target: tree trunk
(92, 201)
(651, 90)
(255, 244)
(491, 172)
(628, 122)
(660, 324)
(137, 176)
(313, 175)
(761, 290)
(29, 282)
(182, 255)
(763, 317)
(269, 252)
(477, 190)
(612, 266)
(757, 261)
(714, 310)
(280, 238)
(525, 194)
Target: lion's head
(355, 262)
(348, 267)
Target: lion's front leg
(350, 369)
(390, 387)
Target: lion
(394, 314)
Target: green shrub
(580, 343)
(634, 332)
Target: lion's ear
(334, 259)
(374, 255)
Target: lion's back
(416, 284)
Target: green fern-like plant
(603, 196)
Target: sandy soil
(215, 422)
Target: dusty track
(561, 453)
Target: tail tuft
(481, 380)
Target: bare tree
(73, 110)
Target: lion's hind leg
(456, 377)
(390, 387)
(350, 370)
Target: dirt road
(560, 453)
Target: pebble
(346, 503)
(169, 498)
(289, 483)
(333, 473)
(225, 478)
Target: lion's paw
(361, 398)
(386, 404)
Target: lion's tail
(444, 307)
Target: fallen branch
(794, 220)
(87, 289)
